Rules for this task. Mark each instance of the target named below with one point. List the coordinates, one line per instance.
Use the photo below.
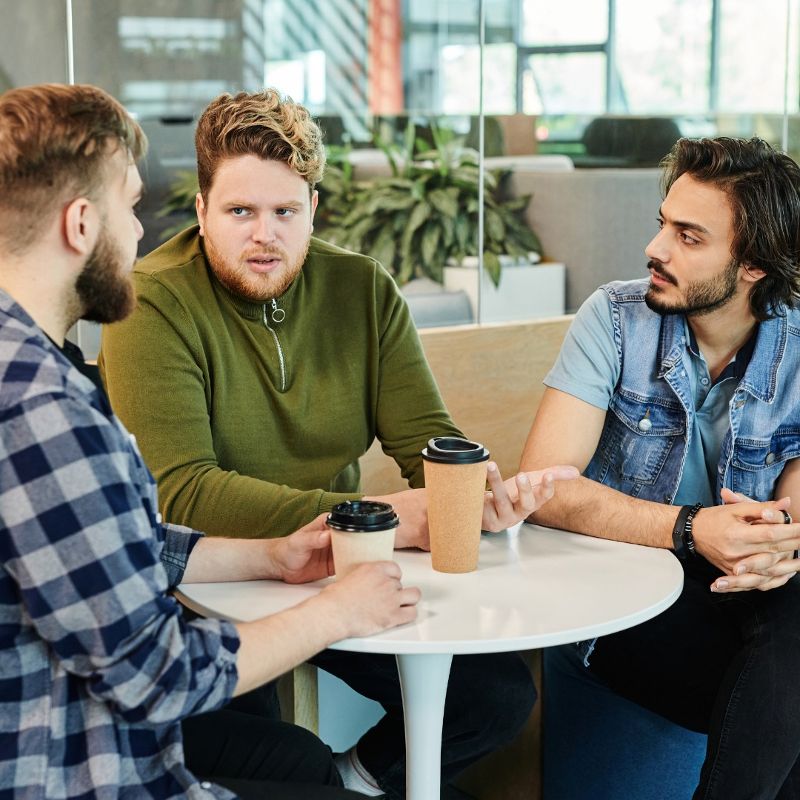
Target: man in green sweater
(261, 363)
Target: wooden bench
(490, 377)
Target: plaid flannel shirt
(97, 666)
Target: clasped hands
(749, 541)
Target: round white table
(534, 587)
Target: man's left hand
(762, 571)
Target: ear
(81, 226)
(314, 202)
(751, 274)
(200, 208)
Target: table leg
(423, 680)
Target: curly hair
(763, 188)
(262, 124)
(55, 141)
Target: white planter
(525, 292)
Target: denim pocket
(639, 435)
(758, 463)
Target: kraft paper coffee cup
(455, 479)
(361, 531)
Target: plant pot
(525, 291)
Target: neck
(51, 305)
(722, 333)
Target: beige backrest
(490, 377)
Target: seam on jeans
(714, 769)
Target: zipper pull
(278, 314)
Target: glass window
(565, 22)
(756, 82)
(663, 55)
(564, 84)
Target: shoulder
(626, 291)
(31, 367)
(177, 268)
(335, 264)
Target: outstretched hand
(509, 502)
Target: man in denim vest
(678, 397)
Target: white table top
(533, 588)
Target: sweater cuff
(329, 499)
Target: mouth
(660, 278)
(263, 264)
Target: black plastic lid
(452, 450)
(362, 516)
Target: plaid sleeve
(80, 541)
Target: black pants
(260, 758)
(489, 698)
(723, 664)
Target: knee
(501, 695)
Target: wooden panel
(299, 698)
(490, 377)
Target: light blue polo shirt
(587, 368)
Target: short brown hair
(54, 144)
(763, 188)
(262, 124)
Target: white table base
(423, 681)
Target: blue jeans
(723, 664)
(489, 699)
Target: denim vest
(646, 459)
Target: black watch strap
(682, 538)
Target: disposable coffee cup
(455, 480)
(361, 531)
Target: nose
(657, 248)
(139, 229)
(263, 230)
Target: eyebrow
(692, 226)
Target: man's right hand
(411, 505)
(368, 600)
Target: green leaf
(495, 227)
(429, 250)
(383, 251)
(491, 263)
(445, 201)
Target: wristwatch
(682, 539)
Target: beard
(700, 297)
(258, 288)
(104, 288)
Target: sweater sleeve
(410, 409)
(156, 354)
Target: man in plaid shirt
(97, 666)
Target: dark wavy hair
(763, 186)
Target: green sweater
(252, 430)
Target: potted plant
(424, 214)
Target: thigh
(673, 664)
(270, 790)
(231, 744)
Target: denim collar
(760, 377)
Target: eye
(660, 223)
(687, 239)
(286, 212)
(238, 211)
